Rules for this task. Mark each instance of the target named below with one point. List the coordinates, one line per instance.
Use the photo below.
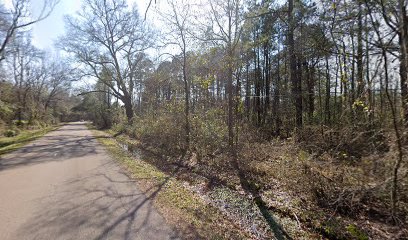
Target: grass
(182, 208)
(9, 144)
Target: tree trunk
(276, 100)
(267, 80)
(310, 79)
(187, 98)
(403, 42)
(230, 101)
(360, 79)
(296, 84)
(327, 100)
(127, 101)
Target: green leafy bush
(36, 124)
(11, 132)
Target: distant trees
(37, 84)
(225, 24)
(284, 66)
(297, 63)
(33, 85)
(278, 69)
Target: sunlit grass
(181, 207)
(9, 144)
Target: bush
(36, 124)
(209, 132)
(20, 123)
(347, 143)
(11, 132)
(165, 131)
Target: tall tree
(107, 34)
(294, 77)
(178, 21)
(225, 28)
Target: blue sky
(47, 31)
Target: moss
(303, 156)
(356, 233)
(332, 229)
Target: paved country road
(65, 186)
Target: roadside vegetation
(289, 118)
(35, 85)
(187, 211)
(15, 138)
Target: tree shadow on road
(102, 205)
(51, 149)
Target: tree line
(284, 66)
(217, 74)
(34, 84)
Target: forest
(293, 112)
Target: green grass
(181, 207)
(9, 144)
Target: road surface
(65, 186)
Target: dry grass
(193, 217)
(322, 183)
(326, 194)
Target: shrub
(11, 132)
(20, 123)
(347, 143)
(209, 132)
(36, 124)
(165, 131)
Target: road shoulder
(182, 208)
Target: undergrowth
(14, 142)
(324, 179)
(193, 217)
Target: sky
(46, 32)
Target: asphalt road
(65, 186)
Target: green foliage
(11, 132)
(356, 233)
(37, 124)
(20, 123)
(8, 144)
(94, 107)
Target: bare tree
(399, 144)
(108, 35)
(225, 28)
(59, 79)
(18, 17)
(395, 16)
(177, 21)
(23, 66)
